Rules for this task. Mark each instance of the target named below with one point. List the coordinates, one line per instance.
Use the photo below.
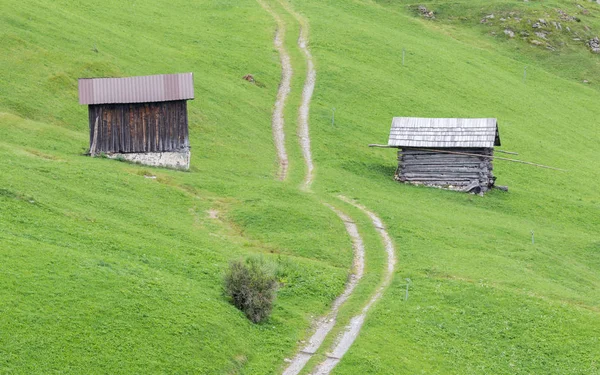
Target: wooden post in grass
(332, 116)
(407, 285)
(525, 75)
(403, 52)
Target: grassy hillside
(484, 299)
(103, 270)
(550, 34)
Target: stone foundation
(176, 160)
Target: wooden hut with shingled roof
(449, 153)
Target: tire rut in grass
(352, 330)
(278, 121)
(307, 93)
(326, 323)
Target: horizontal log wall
(140, 127)
(451, 171)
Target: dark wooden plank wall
(443, 169)
(140, 127)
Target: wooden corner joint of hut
(141, 119)
(448, 153)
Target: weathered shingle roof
(143, 89)
(444, 132)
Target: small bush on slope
(252, 287)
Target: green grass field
(103, 270)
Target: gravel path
(346, 339)
(307, 93)
(326, 323)
(278, 121)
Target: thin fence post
(332, 116)
(403, 52)
(407, 285)
(525, 75)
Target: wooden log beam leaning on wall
(484, 156)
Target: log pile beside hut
(454, 154)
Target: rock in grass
(594, 45)
(426, 12)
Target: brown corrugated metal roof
(444, 132)
(157, 88)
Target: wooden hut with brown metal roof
(449, 153)
(142, 119)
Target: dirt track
(351, 331)
(326, 323)
(278, 121)
(307, 93)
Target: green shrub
(251, 285)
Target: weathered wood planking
(446, 170)
(444, 132)
(140, 127)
